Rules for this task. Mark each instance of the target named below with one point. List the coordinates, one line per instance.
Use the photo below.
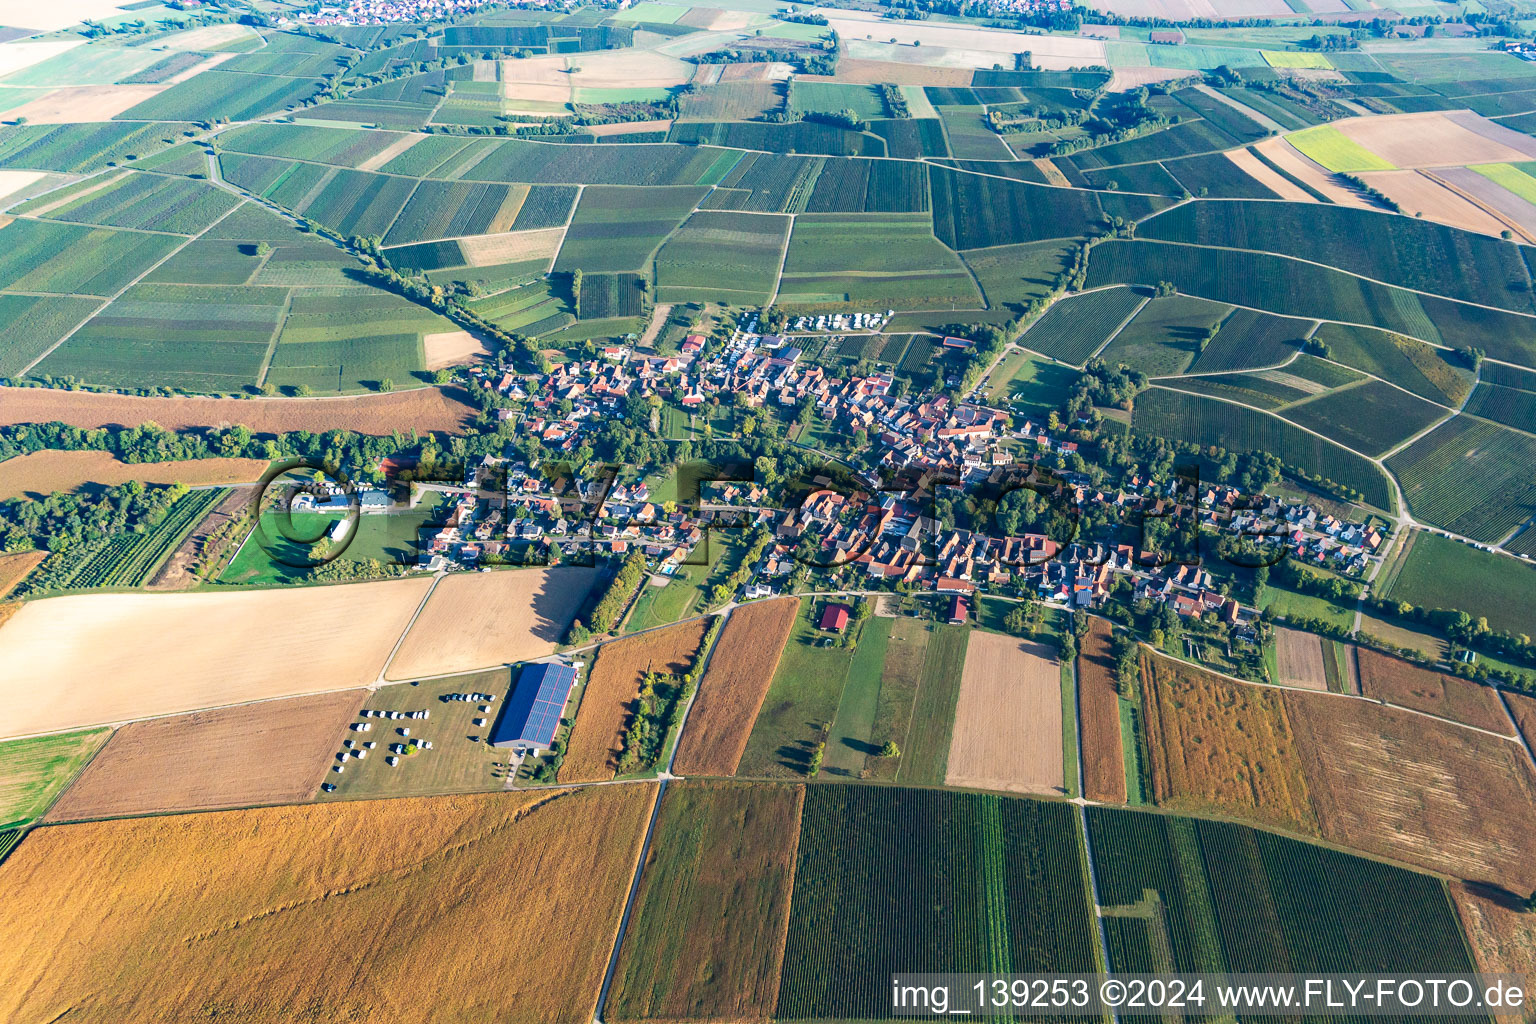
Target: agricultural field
(1008, 718)
(1418, 254)
(1098, 701)
(1372, 418)
(990, 883)
(872, 260)
(116, 657)
(722, 257)
(1222, 747)
(1292, 287)
(131, 559)
(1164, 337)
(971, 211)
(1074, 328)
(1013, 275)
(930, 728)
(1412, 365)
(1393, 681)
(741, 668)
(210, 759)
(857, 185)
(75, 259)
(612, 691)
(1205, 421)
(50, 471)
(355, 341)
(706, 938)
(257, 888)
(428, 410)
(1299, 659)
(1396, 784)
(84, 148)
(34, 771)
(1467, 476)
(1443, 573)
(618, 229)
(1247, 339)
(476, 621)
(1186, 895)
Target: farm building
(532, 714)
(959, 610)
(835, 617)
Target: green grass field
(33, 772)
(801, 703)
(1443, 573)
(1295, 59)
(850, 740)
(925, 754)
(390, 538)
(723, 257)
(1336, 151)
(455, 764)
(617, 229)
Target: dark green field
(1164, 337)
(1371, 418)
(1074, 328)
(1187, 895)
(1249, 339)
(986, 883)
(1204, 421)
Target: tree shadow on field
(1497, 895)
(564, 592)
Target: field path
(659, 314)
(437, 578)
(629, 902)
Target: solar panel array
(533, 710)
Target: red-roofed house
(835, 617)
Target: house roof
(532, 713)
(835, 616)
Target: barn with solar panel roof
(531, 716)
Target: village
(863, 534)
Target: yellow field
(1293, 59)
(481, 620)
(1336, 151)
(446, 909)
(114, 657)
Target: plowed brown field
(1399, 682)
(1399, 785)
(271, 752)
(732, 690)
(1007, 731)
(39, 474)
(446, 909)
(1098, 698)
(437, 410)
(1223, 746)
(1299, 658)
(613, 687)
(1502, 937)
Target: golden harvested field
(1255, 169)
(1395, 681)
(740, 669)
(1098, 700)
(1502, 937)
(1007, 732)
(511, 247)
(1437, 139)
(39, 474)
(85, 103)
(873, 72)
(706, 940)
(14, 568)
(478, 620)
(1299, 657)
(628, 127)
(1420, 193)
(1222, 746)
(264, 753)
(436, 410)
(1399, 785)
(453, 348)
(116, 657)
(613, 687)
(445, 909)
